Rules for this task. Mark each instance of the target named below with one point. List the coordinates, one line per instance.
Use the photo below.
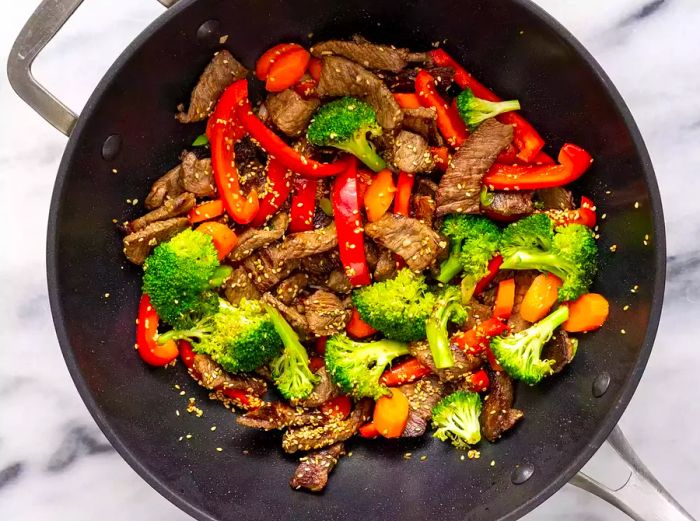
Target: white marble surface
(54, 462)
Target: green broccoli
(290, 370)
(397, 307)
(473, 242)
(356, 367)
(239, 338)
(180, 275)
(569, 252)
(519, 354)
(344, 124)
(448, 307)
(475, 110)
(456, 418)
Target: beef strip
(561, 348)
(323, 391)
(342, 77)
(523, 280)
(325, 313)
(265, 270)
(460, 186)
(478, 313)
(558, 198)
(255, 238)
(288, 290)
(509, 206)
(416, 242)
(296, 320)
(305, 244)
(164, 188)
(239, 286)
(321, 263)
(280, 415)
(422, 120)
(174, 207)
(424, 208)
(338, 282)
(316, 437)
(405, 80)
(386, 266)
(464, 363)
(497, 414)
(212, 376)
(222, 71)
(290, 112)
(410, 153)
(197, 176)
(314, 468)
(370, 55)
(138, 245)
(422, 396)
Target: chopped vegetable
(303, 206)
(268, 58)
(339, 407)
(287, 70)
(474, 111)
(277, 187)
(505, 299)
(205, 211)
(449, 122)
(223, 237)
(407, 100)
(479, 381)
(151, 351)
(456, 418)
(391, 414)
(200, 141)
(491, 271)
(447, 308)
(441, 156)
(379, 195)
(475, 340)
(584, 215)
(402, 200)
(404, 372)
(358, 328)
(315, 66)
(540, 297)
(368, 430)
(588, 312)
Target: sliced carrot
(205, 211)
(407, 100)
(287, 70)
(315, 66)
(358, 328)
(505, 299)
(588, 312)
(224, 238)
(262, 67)
(540, 297)
(379, 195)
(391, 414)
(369, 430)
(340, 406)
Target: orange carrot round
(224, 238)
(407, 100)
(505, 299)
(540, 297)
(287, 70)
(262, 67)
(207, 210)
(379, 195)
(588, 312)
(391, 414)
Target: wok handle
(41, 27)
(642, 497)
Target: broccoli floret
(179, 277)
(456, 418)
(240, 338)
(519, 354)
(397, 307)
(290, 370)
(448, 307)
(475, 110)
(473, 242)
(569, 252)
(357, 366)
(344, 124)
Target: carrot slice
(505, 299)
(407, 100)
(262, 67)
(588, 312)
(315, 66)
(540, 297)
(379, 195)
(287, 70)
(358, 328)
(391, 414)
(205, 211)
(224, 238)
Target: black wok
(128, 125)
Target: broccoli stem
(548, 324)
(436, 331)
(361, 148)
(494, 108)
(538, 261)
(451, 267)
(181, 334)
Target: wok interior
(506, 46)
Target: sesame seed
(636, 204)
(625, 307)
(213, 428)
(219, 449)
(189, 436)
(106, 295)
(623, 331)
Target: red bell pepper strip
(369, 431)
(303, 207)
(402, 199)
(404, 372)
(441, 156)
(321, 345)
(475, 340)
(348, 224)
(315, 66)
(573, 162)
(340, 407)
(364, 179)
(187, 357)
(147, 345)
(449, 122)
(358, 328)
(526, 138)
(584, 215)
(316, 362)
(277, 187)
(493, 361)
(479, 381)
(492, 268)
(276, 147)
(306, 88)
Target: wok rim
(611, 417)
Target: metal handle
(642, 497)
(41, 27)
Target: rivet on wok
(601, 384)
(522, 473)
(208, 33)
(111, 147)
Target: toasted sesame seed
(623, 331)
(219, 449)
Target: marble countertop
(55, 463)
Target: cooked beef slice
(174, 207)
(265, 270)
(296, 320)
(138, 245)
(558, 198)
(239, 286)
(497, 414)
(288, 290)
(424, 208)
(323, 391)
(280, 415)
(370, 55)
(464, 363)
(316, 437)
(478, 313)
(561, 348)
(410, 153)
(422, 121)
(386, 266)
(221, 72)
(422, 396)
(325, 313)
(255, 238)
(460, 186)
(290, 112)
(417, 243)
(212, 376)
(197, 175)
(166, 187)
(523, 280)
(405, 80)
(342, 77)
(314, 468)
(321, 263)
(305, 244)
(339, 282)
(509, 206)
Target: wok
(128, 125)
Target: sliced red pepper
(364, 179)
(316, 362)
(315, 66)
(493, 361)
(303, 207)
(368, 430)
(321, 345)
(492, 269)
(585, 215)
(479, 381)
(475, 340)
(277, 187)
(348, 225)
(306, 88)
(449, 122)
(340, 407)
(268, 58)
(187, 356)
(358, 328)
(573, 162)
(407, 100)
(148, 347)
(441, 156)
(404, 372)
(402, 199)
(241, 398)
